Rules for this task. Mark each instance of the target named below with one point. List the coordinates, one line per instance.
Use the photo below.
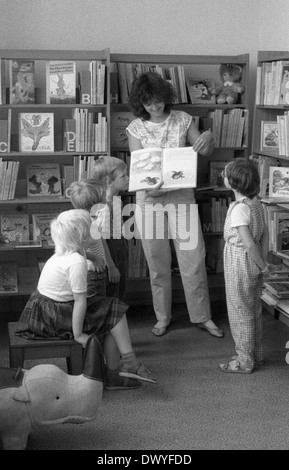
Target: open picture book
(176, 167)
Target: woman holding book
(157, 125)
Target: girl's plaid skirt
(44, 317)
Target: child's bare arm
(78, 315)
(250, 247)
(98, 261)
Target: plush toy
(231, 88)
(46, 395)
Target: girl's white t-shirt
(62, 276)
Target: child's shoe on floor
(113, 381)
(133, 369)
(235, 367)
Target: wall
(148, 26)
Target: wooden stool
(21, 349)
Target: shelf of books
(54, 122)
(271, 153)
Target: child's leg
(258, 346)
(113, 381)
(131, 367)
(240, 295)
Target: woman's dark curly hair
(243, 176)
(150, 87)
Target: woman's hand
(204, 142)
(156, 190)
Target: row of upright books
(85, 132)
(8, 179)
(230, 127)
(213, 211)
(64, 83)
(188, 89)
(272, 85)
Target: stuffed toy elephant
(46, 395)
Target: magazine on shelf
(176, 167)
(21, 81)
(15, 227)
(279, 182)
(43, 179)
(269, 137)
(36, 132)
(60, 82)
(118, 124)
(41, 226)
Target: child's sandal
(234, 367)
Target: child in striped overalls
(245, 254)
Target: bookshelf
(24, 99)
(207, 114)
(271, 149)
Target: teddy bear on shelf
(231, 88)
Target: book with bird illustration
(36, 132)
(176, 167)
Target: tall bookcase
(271, 149)
(76, 160)
(207, 113)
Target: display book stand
(73, 162)
(271, 149)
(183, 71)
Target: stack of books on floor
(276, 289)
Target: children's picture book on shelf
(60, 82)
(36, 132)
(118, 123)
(216, 168)
(279, 182)
(41, 226)
(269, 137)
(21, 81)
(15, 227)
(176, 167)
(8, 278)
(43, 179)
(199, 90)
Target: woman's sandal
(234, 367)
(159, 331)
(212, 331)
